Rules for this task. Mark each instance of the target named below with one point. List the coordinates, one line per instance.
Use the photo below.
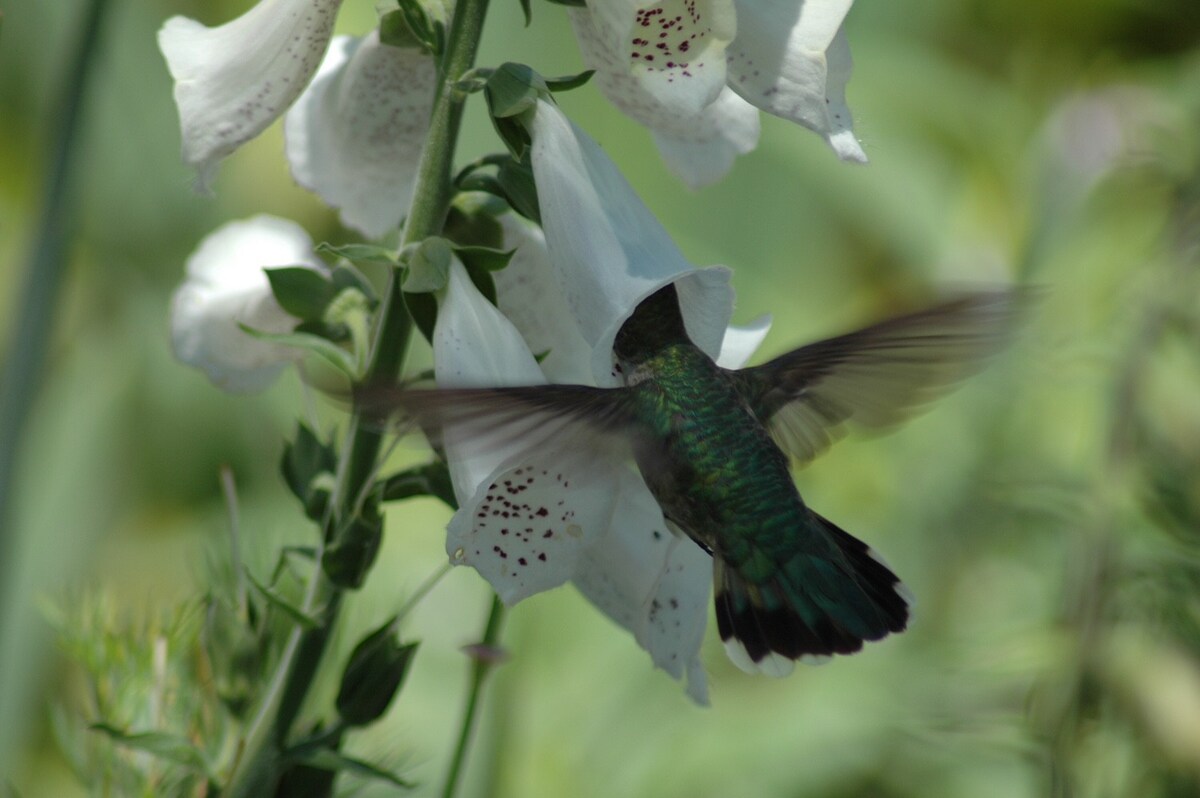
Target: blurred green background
(1047, 515)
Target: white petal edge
(741, 342)
(793, 60)
(233, 81)
(226, 286)
(609, 249)
(652, 582)
(701, 151)
(355, 135)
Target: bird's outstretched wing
(568, 422)
(879, 375)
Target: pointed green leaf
(527, 10)
(513, 89)
(516, 179)
(423, 309)
(484, 258)
(328, 759)
(306, 463)
(514, 135)
(347, 561)
(280, 603)
(321, 347)
(373, 675)
(568, 82)
(359, 253)
(394, 31)
(427, 31)
(163, 745)
(302, 292)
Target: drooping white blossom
(226, 286)
(355, 135)
(530, 518)
(234, 80)
(694, 72)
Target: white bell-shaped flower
(531, 516)
(226, 286)
(234, 80)
(674, 67)
(354, 136)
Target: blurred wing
(564, 421)
(877, 376)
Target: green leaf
(428, 266)
(373, 675)
(328, 759)
(514, 135)
(431, 479)
(484, 258)
(359, 253)
(302, 292)
(472, 220)
(516, 179)
(315, 344)
(527, 10)
(279, 602)
(513, 89)
(423, 309)
(427, 31)
(163, 745)
(394, 31)
(347, 561)
(306, 463)
(568, 82)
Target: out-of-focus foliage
(1047, 515)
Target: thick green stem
(262, 761)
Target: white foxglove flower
(675, 67)
(534, 516)
(354, 137)
(226, 286)
(233, 81)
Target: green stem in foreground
(21, 376)
(483, 663)
(262, 760)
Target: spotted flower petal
(674, 49)
(355, 135)
(791, 59)
(529, 522)
(576, 181)
(232, 81)
(698, 146)
(225, 287)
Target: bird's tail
(813, 608)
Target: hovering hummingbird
(713, 447)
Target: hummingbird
(714, 446)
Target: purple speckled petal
(675, 49)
